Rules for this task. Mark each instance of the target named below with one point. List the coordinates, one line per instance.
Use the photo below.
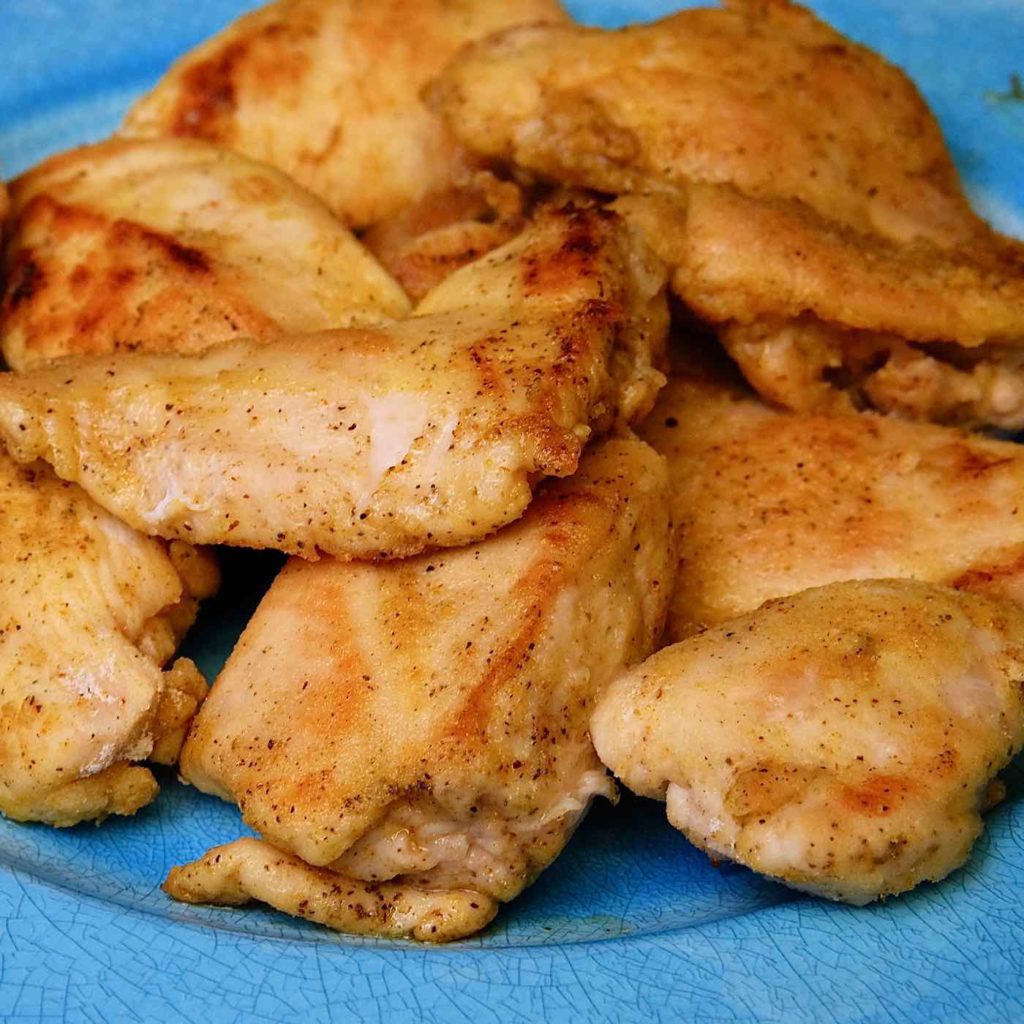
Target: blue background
(631, 924)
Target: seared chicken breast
(795, 181)
(372, 442)
(328, 91)
(843, 741)
(173, 245)
(769, 503)
(417, 731)
(90, 611)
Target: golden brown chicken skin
(173, 245)
(328, 91)
(844, 741)
(419, 728)
(790, 176)
(374, 442)
(90, 611)
(769, 503)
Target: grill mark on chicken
(168, 246)
(329, 91)
(809, 499)
(491, 385)
(566, 538)
(120, 307)
(25, 280)
(490, 658)
(206, 103)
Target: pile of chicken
(384, 285)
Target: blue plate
(630, 924)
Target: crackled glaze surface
(630, 924)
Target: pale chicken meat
(845, 740)
(790, 177)
(769, 503)
(90, 612)
(370, 442)
(414, 734)
(329, 91)
(173, 245)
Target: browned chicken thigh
(414, 734)
(370, 442)
(844, 740)
(796, 181)
(328, 90)
(90, 611)
(427, 240)
(768, 503)
(173, 245)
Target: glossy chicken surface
(90, 611)
(424, 723)
(769, 503)
(173, 245)
(786, 173)
(329, 91)
(374, 442)
(844, 741)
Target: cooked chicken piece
(426, 241)
(250, 869)
(89, 612)
(489, 658)
(171, 246)
(844, 741)
(372, 442)
(329, 91)
(770, 503)
(784, 171)
(820, 319)
(808, 365)
(759, 94)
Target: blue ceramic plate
(630, 924)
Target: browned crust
(269, 56)
(492, 682)
(132, 287)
